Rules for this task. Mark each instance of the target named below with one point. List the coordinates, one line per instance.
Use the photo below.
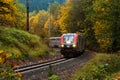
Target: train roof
(69, 34)
(73, 34)
(54, 38)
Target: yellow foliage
(46, 25)
(9, 13)
(64, 10)
(1, 51)
(3, 56)
(103, 34)
(2, 60)
(107, 0)
(19, 74)
(6, 1)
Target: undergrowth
(101, 67)
(21, 44)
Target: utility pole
(49, 22)
(27, 21)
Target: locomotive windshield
(68, 38)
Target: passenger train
(54, 42)
(72, 44)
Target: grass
(101, 67)
(21, 44)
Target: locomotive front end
(68, 43)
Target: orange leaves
(19, 74)
(3, 56)
(6, 70)
(2, 60)
(12, 65)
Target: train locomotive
(72, 44)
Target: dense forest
(40, 4)
(99, 20)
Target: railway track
(34, 71)
(39, 65)
(60, 66)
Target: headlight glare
(74, 45)
(62, 45)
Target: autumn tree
(115, 20)
(51, 26)
(21, 19)
(64, 17)
(37, 23)
(10, 14)
(72, 18)
(107, 24)
(76, 17)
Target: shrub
(102, 67)
(6, 71)
(54, 77)
(21, 43)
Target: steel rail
(33, 66)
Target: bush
(6, 70)
(102, 67)
(54, 77)
(21, 44)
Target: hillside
(21, 44)
(40, 4)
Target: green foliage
(11, 15)
(76, 17)
(102, 67)
(50, 71)
(6, 70)
(37, 23)
(42, 22)
(98, 18)
(54, 77)
(51, 23)
(106, 24)
(21, 43)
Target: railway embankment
(65, 69)
(20, 44)
(19, 48)
(102, 66)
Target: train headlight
(62, 45)
(74, 45)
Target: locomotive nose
(68, 42)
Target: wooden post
(27, 20)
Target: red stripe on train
(61, 40)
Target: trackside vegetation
(21, 44)
(101, 67)
(6, 70)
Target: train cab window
(68, 38)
